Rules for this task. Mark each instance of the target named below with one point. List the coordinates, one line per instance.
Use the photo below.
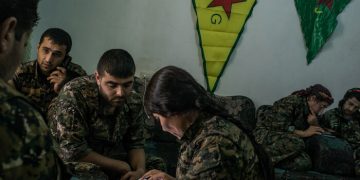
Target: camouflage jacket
(347, 129)
(213, 148)
(32, 83)
(291, 111)
(79, 122)
(25, 142)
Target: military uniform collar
(38, 72)
(195, 128)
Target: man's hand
(115, 165)
(57, 78)
(312, 130)
(137, 162)
(122, 167)
(156, 175)
(133, 175)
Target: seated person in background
(41, 80)
(25, 142)
(344, 122)
(291, 120)
(98, 122)
(212, 146)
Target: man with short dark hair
(98, 121)
(42, 79)
(25, 142)
(344, 122)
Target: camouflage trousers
(89, 171)
(287, 151)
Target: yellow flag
(219, 25)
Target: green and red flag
(318, 21)
(219, 25)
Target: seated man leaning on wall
(42, 79)
(344, 122)
(98, 122)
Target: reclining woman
(291, 120)
(212, 146)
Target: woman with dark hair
(212, 146)
(291, 120)
(344, 122)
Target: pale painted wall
(268, 63)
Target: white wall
(269, 61)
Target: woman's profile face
(174, 125)
(316, 106)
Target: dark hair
(25, 11)
(116, 62)
(353, 92)
(319, 91)
(172, 90)
(59, 36)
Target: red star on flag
(328, 3)
(226, 4)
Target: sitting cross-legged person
(98, 122)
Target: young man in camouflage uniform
(25, 143)
(42, 79)
(98, 121)
(344, 122)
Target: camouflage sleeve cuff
(74, 153)
(139, 144)
(136, 146)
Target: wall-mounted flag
(318, 22)
(219, 25)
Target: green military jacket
(32, 83)
(79, 122)
(214, 148)
(25, 142)
(287, 114)
(348, 129)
